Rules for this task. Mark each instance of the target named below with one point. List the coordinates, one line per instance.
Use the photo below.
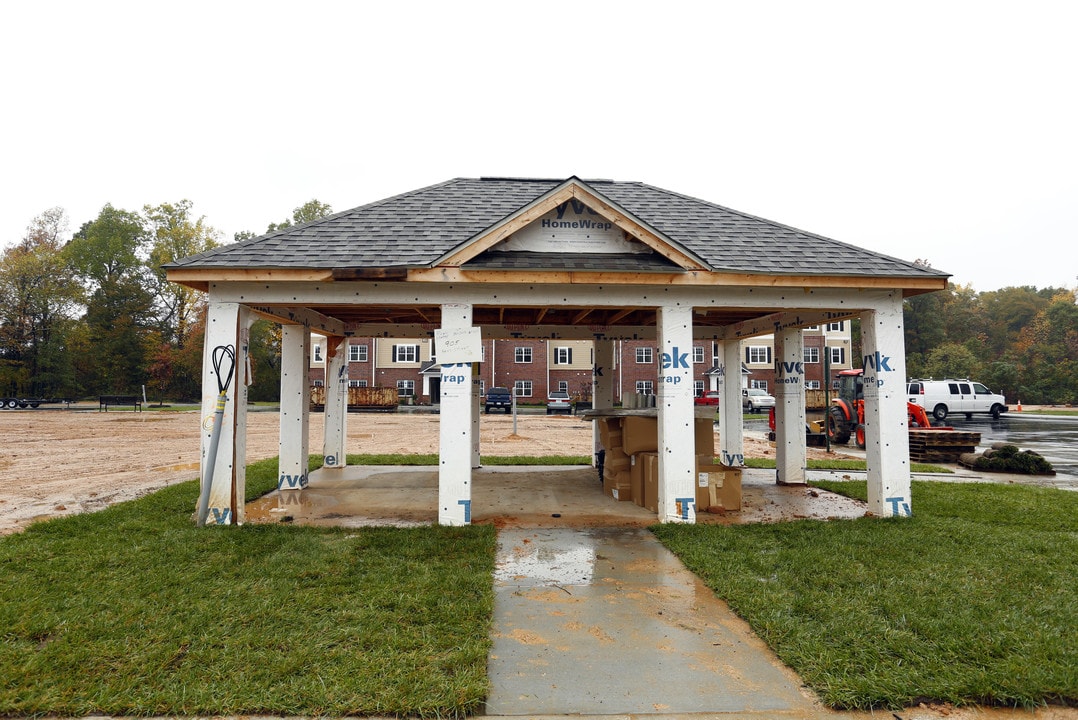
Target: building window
(563, 386)
(645, 355)
(522, 388)
(318, 383)
(563, 356)
(645, 387)
(813, 327)
(758, 355)
(482, 387)
(759, 384)
(316, 353)
(405, 388)
(835, 327)
(522, 354)
(405, 353)
(812, 355)
(357, 383)
(357, 353)
(698, 353)
(812, 384)
(838, 355)
(697, 388)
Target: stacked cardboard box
(631, 468)
(617, 463)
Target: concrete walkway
(607, 621)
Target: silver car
(558, 401)
(753, 399)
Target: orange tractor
(846, 416)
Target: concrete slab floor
(510, 496)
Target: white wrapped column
(791, 454)
(294, 446)
(455, 429)
(731, 419)
(602, 387)
(334, 452)
(677, 439)
(887, 439)
(227, 326)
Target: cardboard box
(718, 484)
(618, 483)
(606, 427)
(636, 478)
(705, 436)
(640, 434)
(616, 461)
(651, 480)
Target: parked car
(558, 401)
(753, 399)
(708, 398)
(498, 397)
(943, 397)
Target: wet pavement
(607, 621)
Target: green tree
(110, 248)
(307, 212)
(38, 298)
(120, 320)
(109, 254)
(951, 360)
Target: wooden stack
(941, 446)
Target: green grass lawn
(972, 600)
(135, 611)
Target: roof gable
(572, 218)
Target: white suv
(943, 397)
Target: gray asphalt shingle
(416, 228)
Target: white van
(943, 397)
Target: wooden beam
(371, 273)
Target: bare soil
(62, 462)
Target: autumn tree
(38, 299)
(175, 233)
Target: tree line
(93, 314)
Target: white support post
(887, 439)
(455, 430)
(224, 463)
(477, 403)
(731, 419)
(790, 451)
(602, 388)
(677, 449)
(294, 445)
(334, 450)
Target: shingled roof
(421, 228)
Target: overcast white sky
(945, 131)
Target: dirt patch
(62, 462)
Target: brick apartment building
(535, 367)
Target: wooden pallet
(943, 446)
